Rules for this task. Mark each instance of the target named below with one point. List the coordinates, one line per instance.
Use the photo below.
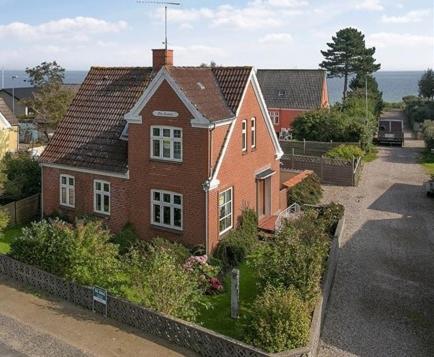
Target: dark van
(391, 131)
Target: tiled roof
(88, 136)
(7, 113)
(202, 89)
(27, 92)
(232, 81)
(292, 88)
(295, 180)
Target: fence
(330, 171)
(188, 335)
(310, 148)
(23, 211)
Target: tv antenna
(166, 5)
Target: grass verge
(427, 161)
(371, 155)
(218, 316)
(7, 237)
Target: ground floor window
(225, 210)
(166, 209)
(101, 198)
(67, 190)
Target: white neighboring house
(9, 130)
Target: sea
(393, 84)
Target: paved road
(382, 302)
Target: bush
(345, 152)
(20, 176)
(296, 258)
(158, 282)
(428, 134)
(308, 191)
(4, 220)
(233, 249)
(330, 215)
(278, 320)
(176, 250)
(125, 239)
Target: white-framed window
(101, 196)
(274, 115)
(166, 209)
(67, 190)
(225, 210)
(253, 132)
(244, 135)
(166, 143)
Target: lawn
(7, 237)
(218, 316)
(427, 161)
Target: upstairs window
(253, 132)
(166, 209)
(274, 115)
(166, 143)
(67, 190)
(244, 135)
(101, 197)
(225, 211)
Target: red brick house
(176, 151)
(291, 92)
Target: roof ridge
(126, 67)
(292, 69)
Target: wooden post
(292, 159)
(235, 293)
(304, 146)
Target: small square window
(166, 133)
(166, 197)
(156, 131)
(157, 196)
(177, 199)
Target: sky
(263, 33)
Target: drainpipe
(42, 192)
(206, 186)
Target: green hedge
(428, 134)
(308, 191)
(345, 152)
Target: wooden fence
(310, 148)
(23, 211)
(330, 171)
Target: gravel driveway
(382, 302)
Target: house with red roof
(178, 152)
(289, 93)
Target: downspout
(42, 192)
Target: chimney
(161, 57)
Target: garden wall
(330, 171)
(23, 211)
(191, 336)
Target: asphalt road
(382, 301)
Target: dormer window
(281, 93)
(166, 143)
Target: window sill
(101, 214)
(165, 161)
(167, 229)
(68, 208)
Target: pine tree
(426, 84)
(347, 55)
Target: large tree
(347, 54)
(51, 99)
(426, 84)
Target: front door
(263, 193)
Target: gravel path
(382, 302)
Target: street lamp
(13, 93)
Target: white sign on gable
(165, 114)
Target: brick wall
(185, 178)
(84, 196)
(239, 169)
(286, 118)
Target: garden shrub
(4, 219)
(308, 191)
(158, 282)
(47, 245)
(278, 321)
(296, 258)
(345, 152)
(174, 249)
(428, 134)
(330, 216)
(233, 249)
(126, 238)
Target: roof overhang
(263, 175)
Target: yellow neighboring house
(9, 130)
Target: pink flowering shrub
(206, 273)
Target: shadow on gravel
(382, 302)
(398, 155)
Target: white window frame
(162, 138)
(231, 214)
(103, 194)
(172, 205)
(67, 188)
(253, 132)
(244, 135)
(275, 116)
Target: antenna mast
(166, 4)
